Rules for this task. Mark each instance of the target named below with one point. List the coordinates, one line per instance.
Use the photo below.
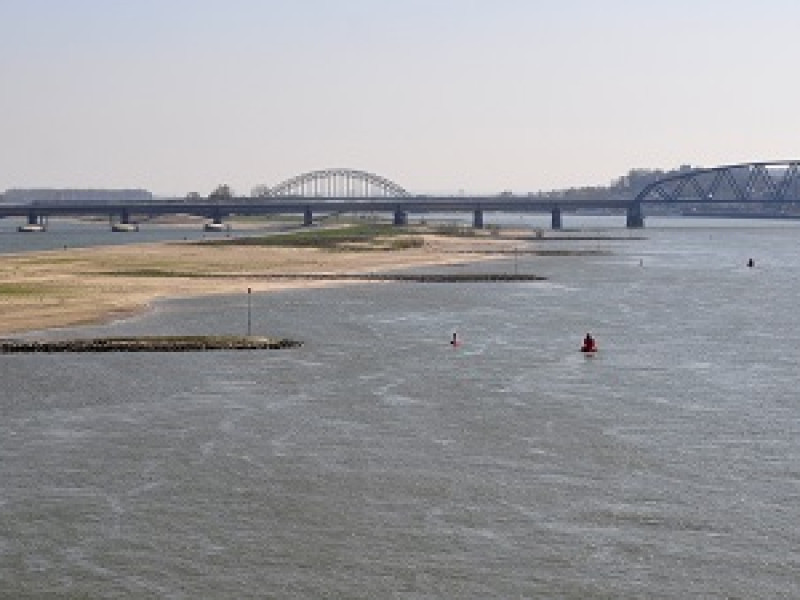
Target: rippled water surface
(377, 461)
(71, 233)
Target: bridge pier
(555, 220)
(124, 223)
(400, 218)
(308, 217)
(634, 216)
(36, 222)
(216, 222)
(216, 218)
(477, 219)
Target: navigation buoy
(751, 263)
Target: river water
(378, 462)
(70, 233)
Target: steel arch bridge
(770, 184)
(337, 183)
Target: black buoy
(751, 263)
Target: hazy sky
(437, 95)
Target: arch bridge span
(336, 183)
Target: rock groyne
(197, 343)
(409, 277)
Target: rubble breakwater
(410, 277)
(196, 343)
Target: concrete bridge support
(400, 218)
(477, 219)
(308, 217)
(36, 222)
(556, 218)
(216, 222)
(634, 216)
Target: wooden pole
(249, 313)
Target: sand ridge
(42, 290)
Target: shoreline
(54, 289)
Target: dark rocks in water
(148, 344)
(411, 277)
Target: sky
(180, 96)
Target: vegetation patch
(22, 289)
(363, 237)
(44, 260)
(266, 219)
(384, 245)
(457, 230)
(152, 272)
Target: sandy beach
(44, 290)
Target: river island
(76, 286)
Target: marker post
(249, 313)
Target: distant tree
(193, 196)
(261, 191)
(637, 179)
(222, 191)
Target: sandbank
(44, 290)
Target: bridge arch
(339, 183)
(774, 182)
(769, 183)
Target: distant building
(29, 195)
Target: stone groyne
(409, 277)
(148, 344)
